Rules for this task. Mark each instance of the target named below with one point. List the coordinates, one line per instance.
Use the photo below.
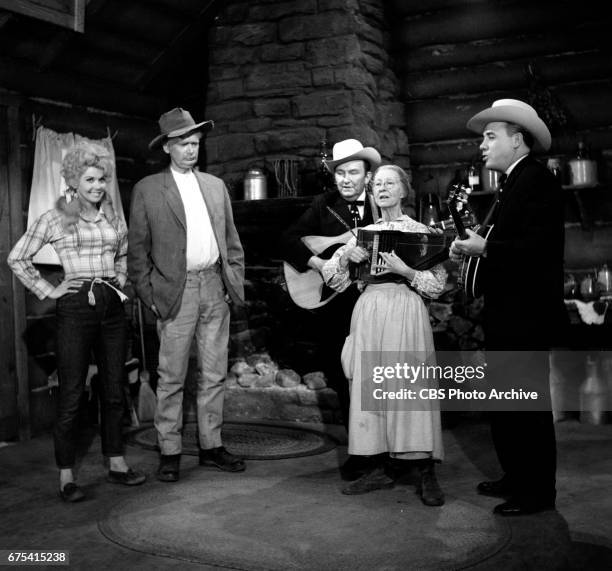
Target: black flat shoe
(513, 508)
(168, 470)
(495, 488)
(71, 493)
(129, 478)
(220, 458)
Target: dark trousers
(527, 452)
(335, 325)
(525, 440)
(82, 328)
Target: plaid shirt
(87, 249)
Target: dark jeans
(82, 328)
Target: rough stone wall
(284, 75)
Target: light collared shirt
(516, 162)
(202, 248)
(87, 249)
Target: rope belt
(91, 298)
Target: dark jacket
(523, 269)
(319, 221)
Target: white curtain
(48, 184)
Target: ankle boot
(431, 493)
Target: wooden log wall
(131, 136)
(456, 57)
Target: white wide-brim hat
(352, 150)
(513, 111)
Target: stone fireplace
(285, 75)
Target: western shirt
(87, 249)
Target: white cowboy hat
(176, 123)
(352, 150)
(513, 111)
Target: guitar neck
(458, 222)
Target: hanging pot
(582, 172)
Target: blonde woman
(91, 243)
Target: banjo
(470, 274)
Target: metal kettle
(604, 280)
(255, 184)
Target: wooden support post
(15, 190)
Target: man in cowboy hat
(333, 214)
(186, 263)
(524, 248)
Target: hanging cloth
(48, 184)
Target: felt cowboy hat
(513, 111)
(176, 123)
(352, 150)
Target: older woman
(91, 243)
(390, 323)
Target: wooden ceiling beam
(107, 42)
(25, 78)
(141, 20)
(71, 16)
(63, 38)
(99, 67)
(4, 17)
(53, 49)
(187, 37)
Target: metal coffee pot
(255, 184)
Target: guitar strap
(342, 221)
(373, 207)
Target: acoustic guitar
(307, 289)
(470, 276)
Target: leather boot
(376, 479)
(431, 493)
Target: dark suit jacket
(157, 240)
(319, 221)
(523, 269)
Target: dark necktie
(502, 182)
(355, 211)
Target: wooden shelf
(482, 193)
(583, 186)
(589, 201)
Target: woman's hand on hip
(67, 286)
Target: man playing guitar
(333, 214)
(527, 239)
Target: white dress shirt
(202, 248)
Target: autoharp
(419, 250)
